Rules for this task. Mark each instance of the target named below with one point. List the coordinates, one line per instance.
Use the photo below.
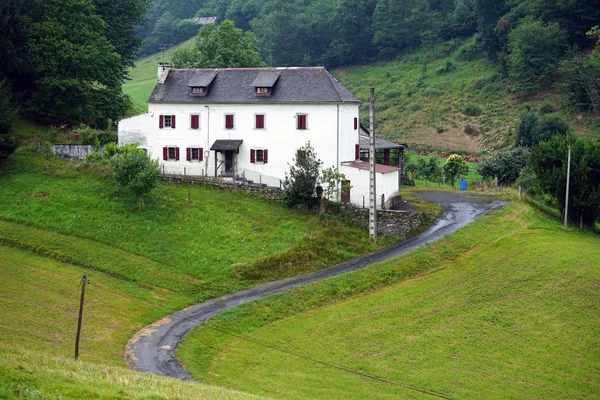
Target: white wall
(280, 135)
(386, 184)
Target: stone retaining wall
(257, 190)
(390, 222)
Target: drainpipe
(207, 140)
(338, 142)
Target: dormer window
(263, 91)
(197, 91)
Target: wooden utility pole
(84, 281)
(372, 163)
(567, 194)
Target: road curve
(153, 348)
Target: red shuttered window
(171, 153)
(355, 123)
(260, 121)
(229, 121)
(194, 154)
(166, 121)
(252, 156)
(357, 152)
(195, 121)
(259, 156)
(301, 121)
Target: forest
(64, 61)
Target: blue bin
(463, 185)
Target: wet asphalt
(153, 348)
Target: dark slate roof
(295, 85)
(202, 79)
(364, 139)
(226, 145)
(266, 79)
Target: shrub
(96, 137)
(472, 110)
(506, 165)
(548, 126)
(300, 185)
(547, 108)
(136, 171)
(448, 67)
(454, 167)
(525, 128)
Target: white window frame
(170, 125)
(192, 159)
(199, 122)
(264, 121)
(174, 153)
(262, 161)
(305, 115)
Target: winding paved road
(153, 348)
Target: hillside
(143, 76)
(504, 308)
(427, 100)
(423, 99)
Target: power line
(339, 367)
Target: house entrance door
(229, 162)
(345, 192)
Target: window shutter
(173, 122)
(165, 149)
(161, 123)
(195, 123)
(200, 154)
(355, 123)
(176, 153)
(229, 121)
(265, 156)
(252, 156)
(356, 151)
(260, 121)
(188, 154)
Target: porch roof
(226, 145)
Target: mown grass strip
(34, 375)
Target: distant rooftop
(206, 20)
(238, 85)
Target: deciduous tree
(300, 185)
(224, 46)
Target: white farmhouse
(250, 122)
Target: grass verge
(504, 308)
(33, 375)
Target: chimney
(163, 71)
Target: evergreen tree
(300, 185)
(78, 74)
(121, 17)
(7, 117)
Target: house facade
(248, 122)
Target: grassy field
(33, 375)
(421, 100)
(143, 76)
(57, 223)
(505, 308)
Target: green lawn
(506, 308)
(57, 223)
(34, 375)
(143, 76)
